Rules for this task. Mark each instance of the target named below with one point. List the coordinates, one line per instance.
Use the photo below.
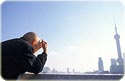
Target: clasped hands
(41, 44)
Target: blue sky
(78, 33)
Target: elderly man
(18, 55)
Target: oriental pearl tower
(117, 37)
(117, 66)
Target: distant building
(117, 68)
(67, 70)
(73, 70)
(46, 70)
(113, 62)
(53, 71)
(100, 65)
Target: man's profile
(18, 55)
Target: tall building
(100, 65)
(117, 66)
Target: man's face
(37, 40)
(37, 44)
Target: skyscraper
(100, 65)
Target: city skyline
(78, 33)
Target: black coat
(17, 58)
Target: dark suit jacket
(17, 58)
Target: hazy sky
(78, 33)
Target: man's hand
(40, 44)
(44, 46)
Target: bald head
(31, 37)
